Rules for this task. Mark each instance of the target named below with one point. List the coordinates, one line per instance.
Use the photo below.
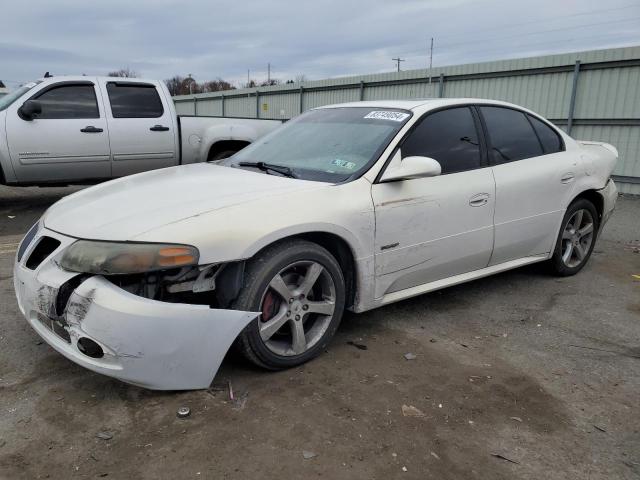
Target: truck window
(69, 101)
(134, 101)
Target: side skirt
(457, 279)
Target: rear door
(534, 182)
(68, 141)
(142, 127)
(429, 229)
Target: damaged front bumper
(149, 343)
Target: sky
(319, 39)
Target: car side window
(69, 101)
(448, 136)
(134, 101)
(511, 135)
(551, 141)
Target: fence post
(574, 91)
(441, 86)
(301, 99)
(257, 104)
(222, 96)
(361, 90)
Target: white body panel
(448, 229)
(54, 151)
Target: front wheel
(298, 288)
(576, 238)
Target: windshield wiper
(266, 167)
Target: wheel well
(595, 198)
(223, 145)
(340, 249)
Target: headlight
(109, 258)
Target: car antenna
(47, 75)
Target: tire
(287, 269)
(573, 248)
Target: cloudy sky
(320, 39)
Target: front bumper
(152, 344)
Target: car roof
(421, 103)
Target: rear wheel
(298, 288)
(576, 238)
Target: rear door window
(511, 135)
(448, 136)
(68, 102)
(551, 141)
(134, 101)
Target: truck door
(67, 141)
(142, 127)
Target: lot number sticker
(387, 115)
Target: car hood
(125, 208)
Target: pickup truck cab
(80, 129)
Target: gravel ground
(521, 375)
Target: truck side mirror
(30, 109)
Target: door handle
(91, 129)
(479, 200)
(159, 128)
(567, 177)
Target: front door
(429, 229)
(69, 140)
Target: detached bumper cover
(156, 345)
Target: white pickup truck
(78, 129)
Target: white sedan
(151, 278)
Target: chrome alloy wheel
(297, 308)
(577, 238)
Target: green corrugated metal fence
(594, 94)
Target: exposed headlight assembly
(112, 258)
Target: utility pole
(430, 59)
(190, 85)
(248, 79)
(268, 74)
(398, 60)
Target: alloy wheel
(297, 308)
(577, 238)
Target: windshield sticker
(344, 164)
(387, 115)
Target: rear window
(511, 135)
(551, 141)
(134, 101)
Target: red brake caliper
(270, 306)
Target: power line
(544, 19)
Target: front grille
(26, 241)
(45, 247)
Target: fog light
(90, 348)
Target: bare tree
(271, 82)
(217, 85)
(124, 72)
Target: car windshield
(330, 144)
(8, 99)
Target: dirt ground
(521, 375)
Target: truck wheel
(576, 238)
(299, 289)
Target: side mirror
(412, 167)
(30, 109)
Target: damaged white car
(151, 278)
